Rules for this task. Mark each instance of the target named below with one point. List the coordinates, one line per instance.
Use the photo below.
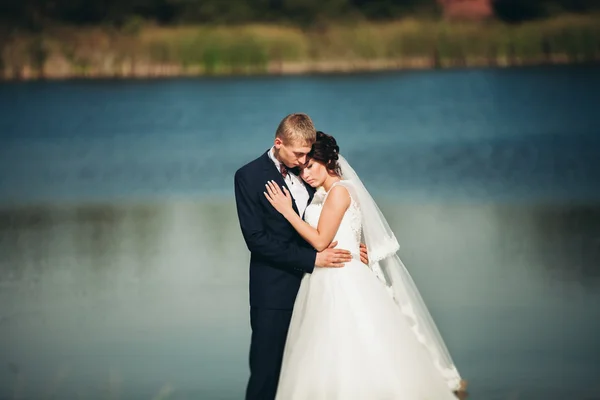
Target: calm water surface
(123, 273)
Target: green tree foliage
(32, 14)
(524, 10)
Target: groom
(279, 257)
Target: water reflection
(141, 289)
(138, 298)
(566, 240)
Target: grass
(145, 50)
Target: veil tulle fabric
(382, 247)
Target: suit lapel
(311, 192)
(273, 174)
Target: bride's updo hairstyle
(326, 151)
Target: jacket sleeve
(260, 241)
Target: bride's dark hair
(326, 151)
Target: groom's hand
(364, 256)
(332, 258)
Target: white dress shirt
(294, 184)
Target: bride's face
(314, 173)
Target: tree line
(35, 13)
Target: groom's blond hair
(297, 128)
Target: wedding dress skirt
(348, 340)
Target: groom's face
(292, 154)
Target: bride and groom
(332, 318)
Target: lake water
(123, 273)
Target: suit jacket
(279, 256)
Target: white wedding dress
(348, 339)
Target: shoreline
(287, 68)
(151, 51)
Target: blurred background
(143, 38)
(474, 123)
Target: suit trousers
(269, 332)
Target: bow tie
(285, 169)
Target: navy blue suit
(279, 257)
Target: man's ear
(278, 143)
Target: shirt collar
(275, 160)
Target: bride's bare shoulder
(338, 196)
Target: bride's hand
(281, 201)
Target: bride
(357, 332)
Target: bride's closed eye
(309, 165)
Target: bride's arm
(260, 241)
(336, 204)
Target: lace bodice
(348, 235)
